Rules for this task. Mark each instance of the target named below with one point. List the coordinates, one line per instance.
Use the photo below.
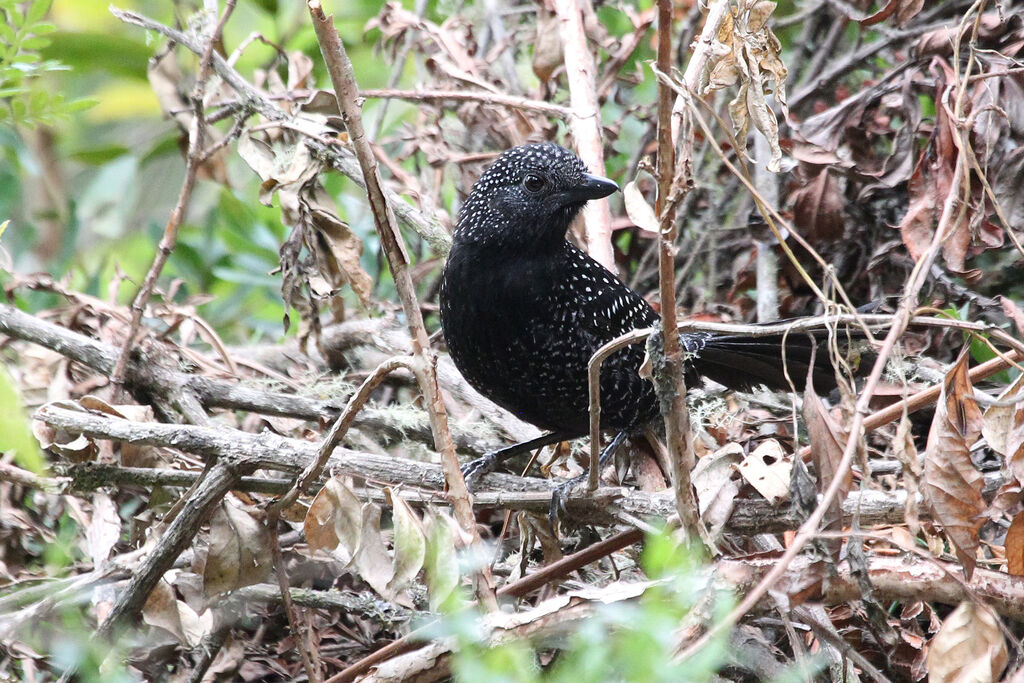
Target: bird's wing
(606, 307)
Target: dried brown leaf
(716, 490)
(746, 52)
(334, 520)
(952, 484)
(969, 648)
(904, 11)
(372, 561)
(1015, 546)
(827, 440)
(818, 208)
(906, 452)
(547, 50)
(164, 610)
(239, 553)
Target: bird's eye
(533, 183)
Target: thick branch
(274, 452)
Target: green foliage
(15, 434)
(630, 641)
(22, 34)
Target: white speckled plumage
(523, 310)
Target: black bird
(523, 310)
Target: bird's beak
(593, 187)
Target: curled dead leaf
(952, 484)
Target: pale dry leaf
(969, 648)
(768, 470)
(410, 543)
(547, 50)
(441, 562)
(334, 521)
(339, 261)
(161, 610)
(104, 530)
(372, 561)
(194, 626)
(239, 553)
(712, 479)
(1003, 428)
(639, 211)
(952, 484)
(906, 452)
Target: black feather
(523, 310)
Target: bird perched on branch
(523, 310)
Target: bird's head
(528, 198)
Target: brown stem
(673, 184)
(170, 236)
(347, 91)
(586, 124)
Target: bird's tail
(777, 361)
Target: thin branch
(150, 379)
(194, 159)
(423, 481)
(483, 97)
(340, 427)
(428, 227)
(913, 288)
(586, 124)
(674, 182)
(347, 91)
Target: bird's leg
(561, 493)
(487, 463)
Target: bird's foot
(559, 497)
(475, 469)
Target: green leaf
(442, 566)
(90, 51)
(36, 11)
(15, 433)
(35, 43)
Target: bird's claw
(475, 469)
(559, 497)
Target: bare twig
(915, 282)
(273, 452)
(170, 236)
(340, 427)
(668, 373)
(343, 78)
(218, 480)
(483, 97)
(586, 124)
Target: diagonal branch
(342, 76)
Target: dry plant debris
(170, 512)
